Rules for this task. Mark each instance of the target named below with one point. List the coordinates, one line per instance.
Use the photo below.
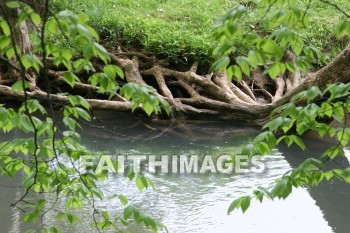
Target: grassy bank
(175, 29)
(181, 29)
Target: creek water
(194, 202)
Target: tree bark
(20, 33)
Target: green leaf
(51, 26)
(290, 67)
(88, 51)
(282, 189)
(70, 123)
(301, 63)
(235, 205)
(120, 72)
(92, 31)
(112, 71)
(76, 100)
(47, 152)
(244, 64)
(29, 61)
(5, 28)
(262, 136)
(19, 85)
(261, 57)
(229, 73)
(10, 53)
(273, 71)
(235, 71)
(102, 52)
(297, 45)
(4, 42)
(274, 124)
(312, 93)
(13, 4)
(265, 192)
(123, 200)
(149, 181)
(245, 203)
(242, 202)
(269, 47)
(128, 211)
(282, 67)
(343, 136)
(148, 107)
(329, 175)
(258, 195)
(70, 78)
(221, 64)
(82, 113)
(253, 59)
(299, 142)
(35, 19)
(139, 184)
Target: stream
(198, 202)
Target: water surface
(199, 202)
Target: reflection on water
(199, 202)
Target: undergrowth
(181, 29)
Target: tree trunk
(19, 37)
(20, 33)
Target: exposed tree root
(60, 99)
(280, 86)
(189, 93)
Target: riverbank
(182, 30)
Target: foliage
(182, 30)
(47, 154)
(179, 29)
(310, 110)
(293, 121)
(143, 95)
(285, 25)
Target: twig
(336, 7)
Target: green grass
(179, 29)
(182, 29)
(323, 25)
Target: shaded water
(199, 202)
